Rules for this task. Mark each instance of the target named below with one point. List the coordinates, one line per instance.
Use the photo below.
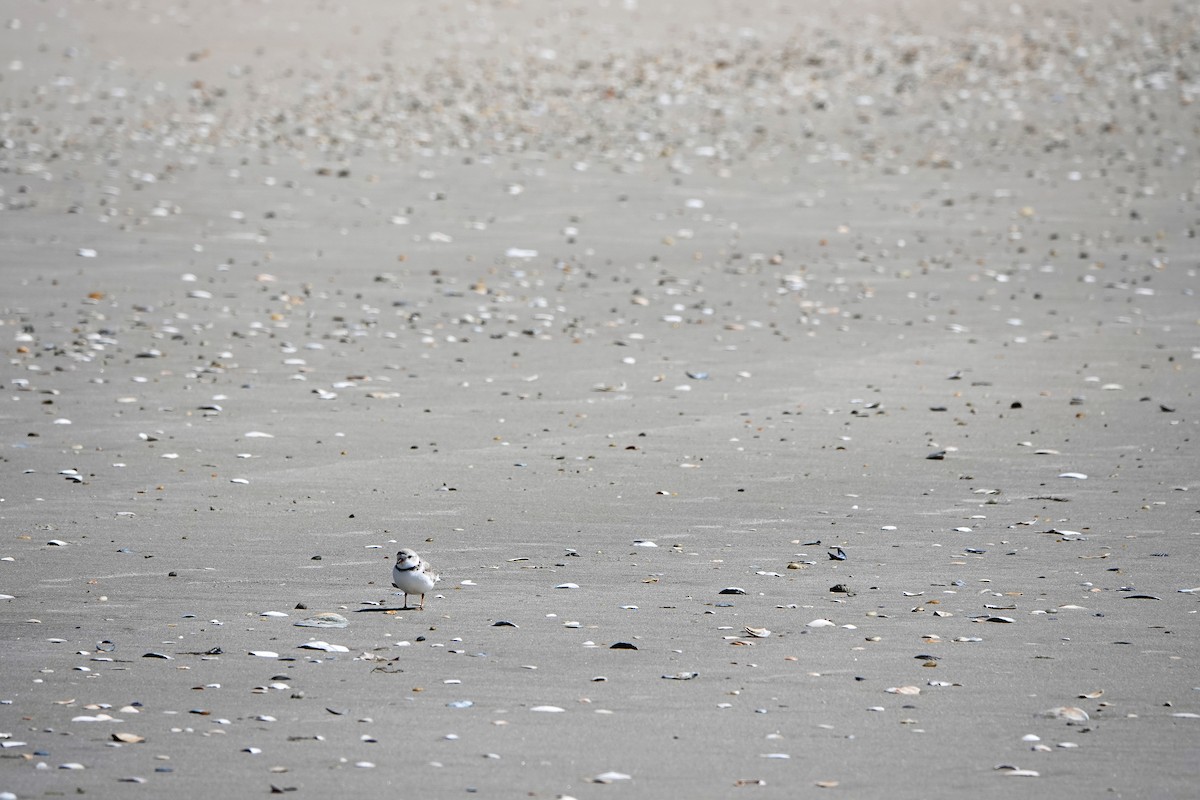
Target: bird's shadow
(382, 610)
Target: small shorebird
(411, 575)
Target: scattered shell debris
(799, 399)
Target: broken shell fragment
(1069, 713)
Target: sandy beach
(795, 400)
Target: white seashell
(326, 646)
(264, 654)
(548, 709)
(905, 690)
(610, 777)
(1079, 476)
(820, 623)
(760, 633)
(567, 586)
(1069, 713)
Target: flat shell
(611, 777)
(325, 646)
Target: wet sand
(883, 316)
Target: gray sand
(884, 315)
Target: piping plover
(411, 575)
